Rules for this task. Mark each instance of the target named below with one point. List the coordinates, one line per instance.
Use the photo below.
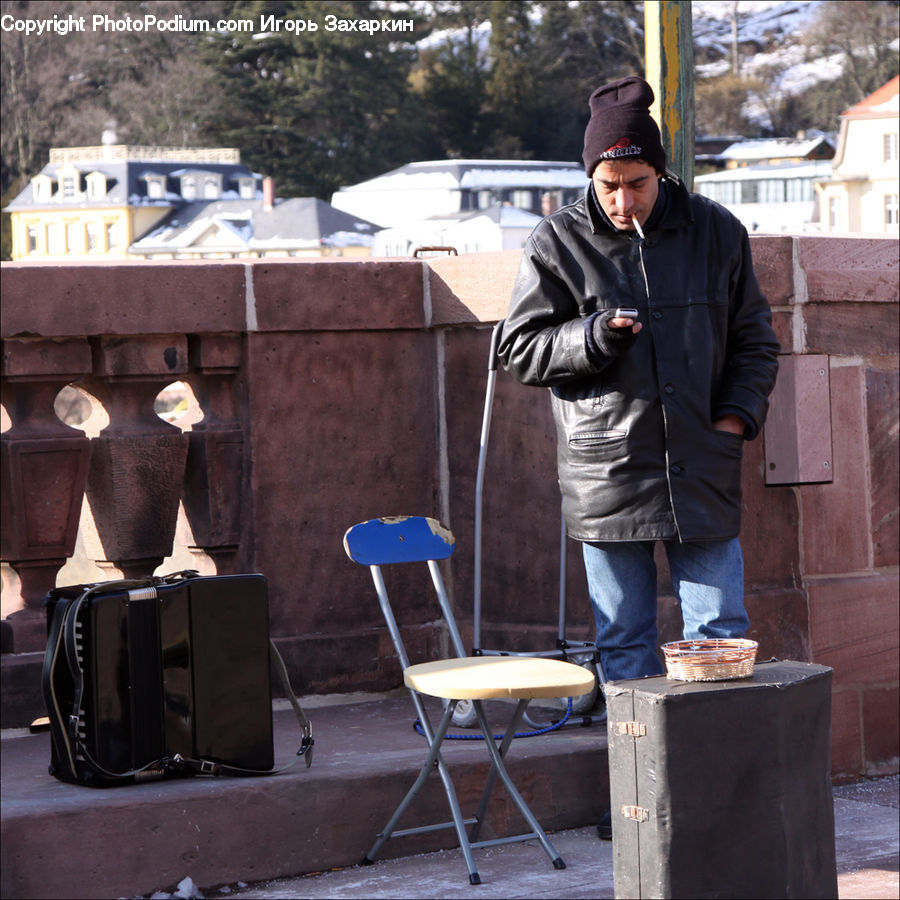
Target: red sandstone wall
(358, 387)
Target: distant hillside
(793, 57)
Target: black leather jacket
(637, 454)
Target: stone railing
(329, 392)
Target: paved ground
(64, 841)
(866, 825)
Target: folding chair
(385, 541)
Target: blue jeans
(708, 577)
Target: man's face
(626, 189)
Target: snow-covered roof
(537, 178)
(773, 148)
(475, 174)
(300, 222)
(812, 169)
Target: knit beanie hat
(621, 126)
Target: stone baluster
(214, 477)
(137, 460)
(44, 469)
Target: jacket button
(675, 469)
(657, 314)
(669, 389)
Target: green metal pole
(669, 51)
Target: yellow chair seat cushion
(497, 677)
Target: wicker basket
(715, 659)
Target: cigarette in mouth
(637, 227)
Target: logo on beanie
(622, 147)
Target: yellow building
(863, 193)
(96, 201)
(126, 202)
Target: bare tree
(864, 32)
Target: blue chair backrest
(398, 539)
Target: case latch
(636, 813)
(633, 729)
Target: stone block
(472, 288)
(20, 688)
(52, 300)
(774, 267)
(330, 295)
(854, 628)
(770, 520)
(329, 662)
(783, 323)
(851, 329)
(341, 431)
(34, 358)
(798, 427)
(43, 481)
(779, 622)
(879, 716)
(215, 352)
(849, 268)
(846, 737)
(146, 355)
(882, 391)
(836, 538)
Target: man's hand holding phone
(614, 331)
(625, 317)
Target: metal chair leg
(530, 818)
(433, 759)
(491, 780)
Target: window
(247, 188)
(42, 188)
(211, 187)
(834, 210)
(156, 186)
(96, 186)
(74, 237)
(92, 237)
(891, 151)
(772, 190)
(189, 187)
(891, 209)
(67, 187)
(485, 199)
(749, 192)
(54, 238)
(522, 199)
(31, 239)
(112, 235)
(725, 192)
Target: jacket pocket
(596, 439)
(729, 443)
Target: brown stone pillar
(44, 468)
(137, 460)
(214, 477)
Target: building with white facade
(770, 184)
(863, 193)
(130, 202)
(422, 190)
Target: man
(652, 408)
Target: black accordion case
(161, 677)
(723, 789)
